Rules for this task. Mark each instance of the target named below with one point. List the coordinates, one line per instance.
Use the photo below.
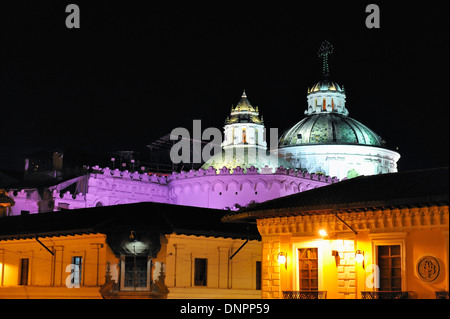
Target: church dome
(327, 120)
(329, 128)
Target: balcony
(304, 294)
(386, 294)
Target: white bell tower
(244, 127)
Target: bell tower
(244, 127)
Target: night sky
(132, 73)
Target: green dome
(244, 161)
(329, 128)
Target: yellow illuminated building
(144, 250)
(374, 237)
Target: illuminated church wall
(204, 188)
(244, 178)
(201, 188)
(342, 161)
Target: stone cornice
(377, 220)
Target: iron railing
(304, 294)
(386, 294)
(441, 294)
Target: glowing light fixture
(323, 233)
(359, 257)
(282, 259)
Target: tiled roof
(412, 188)
(144, 217)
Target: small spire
(243, 94)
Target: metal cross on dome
(326, 48)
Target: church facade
(243, 173)
(323, 148)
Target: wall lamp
(323, 233)
(282, 259)
(359, 257)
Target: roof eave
(252, 216)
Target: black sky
(133, 72)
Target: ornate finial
(326, 48)
(243, 94)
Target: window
(244, 136)
(390, 263)
(135, 272)
(76, 270)
(24, 263)
(200, 271)
(258, 275)
(308, 269)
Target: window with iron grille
(135, 271)
(308, 269)
(390, 265)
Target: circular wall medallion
(428, 268)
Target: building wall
(235, 278)
(229, 191)
(48, 274)
(339, 160)
(419, 232)
(200, 188)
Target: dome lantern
(326, 95)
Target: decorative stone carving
(373, 221)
